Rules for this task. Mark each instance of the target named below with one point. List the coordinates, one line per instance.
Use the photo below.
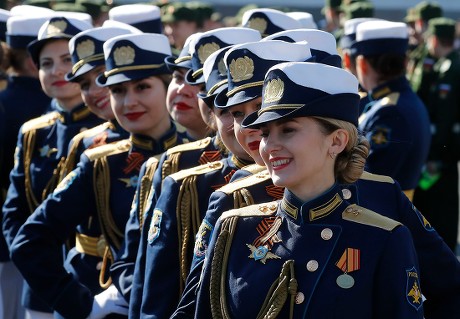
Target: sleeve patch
(380, 136)
(202, 239)
(425, 223)
(413, 292)
(154, 229)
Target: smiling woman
(313, 237)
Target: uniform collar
(240, 163)
(168, 140)
(79, 113)
(329, 202)
(388, 87)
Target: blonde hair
(350, 163)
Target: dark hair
(388, 65)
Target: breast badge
(349, 261)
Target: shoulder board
(264, 209)
(92, 131)
(361, 215)
(377, 178)
(254, 168)
(390, 99)
(197, 170)
(189, 146)
(41, 122)
(245, 182)
(108, 149)
(153, 160)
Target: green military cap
(332, 4)
(411, 15)
(69, 7)
(38, 3)
(427, 10)
(362, 9)
(202, 10)
(93, 7)
(442, 27)
(178, 11)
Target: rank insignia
(154, 229)
(131, 181)
(261, 253)
(65, 183)
(413, 292)
(202, 239)
(46, 151)
(380, 136)
(425, 223)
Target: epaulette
(91, 132)
(264, 209)
(377, 178)
(41, 122)
(196, 145)
(364, 216)
(230, 188)
(197, 170)
(254, 168)
(108, 149)
(390, 99)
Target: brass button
(299, 298)
(326, 234)
(346, 193)
(312, 265)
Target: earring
(332, 155)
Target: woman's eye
(84, 86)
(45, 64)
(237, 114)
(142, 86)
(115, 90)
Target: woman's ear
(362, 64)
(340, 139)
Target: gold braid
(55, 179)
(170, 165)
(219, 263)
(29, 145)
(242, 198)
(188, 221)
(284, 285)
(146, 188)
(109, 230)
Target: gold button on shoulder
(346, 193)
(299, 298)
(326, 233)
(312, 265)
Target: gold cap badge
(124, 55)
(221, 67)
(205, 50)
(56, 27)
(241, 69)
(274, 91)
(85, 49)
(259, 24)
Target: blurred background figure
(437, 193)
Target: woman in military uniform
(96, 196)
(181, 157)
(312, 254)
(42, 142)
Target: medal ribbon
(350, 260)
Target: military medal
(260, 248)
(345, 281)
(348, 262)
(261, 253)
